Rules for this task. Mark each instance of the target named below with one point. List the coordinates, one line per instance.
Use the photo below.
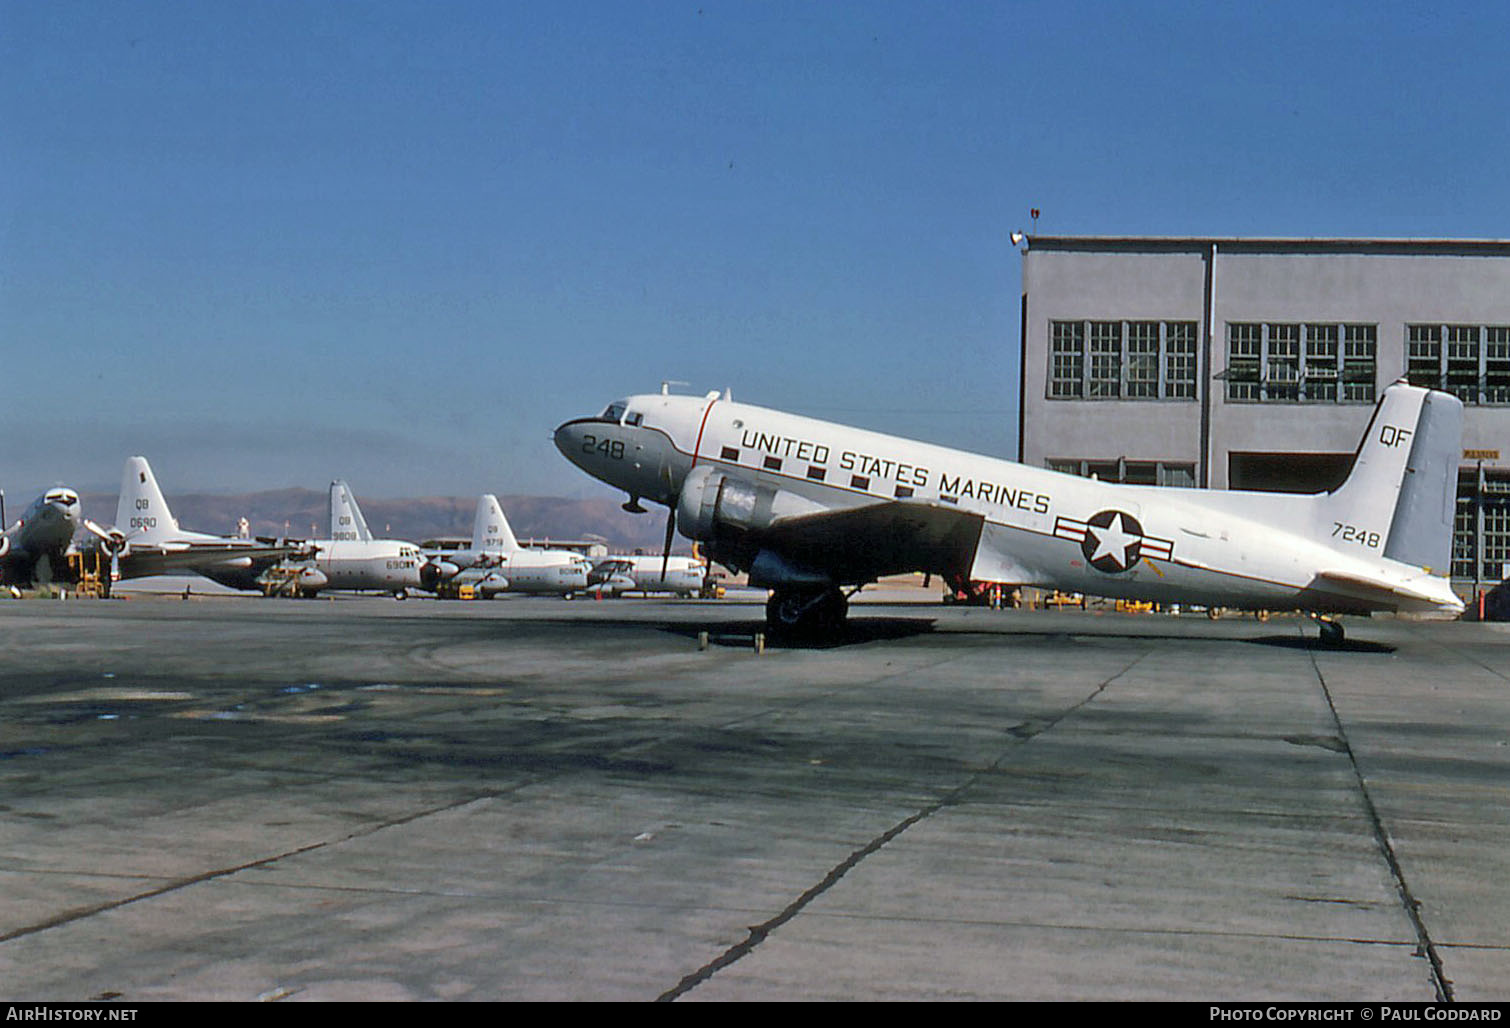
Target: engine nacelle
(433, 573)
(714, 506)
(312, 579)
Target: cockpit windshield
(614, 413)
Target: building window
(1472, 362)
(1321, 362)
(1179, 360)
(1299, 363)
(1142, 360)
(1360, 359)
(1106, 359)
(1463, 362)
(1497, 364)
(1423, 356)
(1130, 472)
(1134, 360)
(1467, 544)
(1067, 373)
(1245, 352)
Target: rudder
(1421, 530)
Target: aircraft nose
(569, 440)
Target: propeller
(114, 541)
(670, 534)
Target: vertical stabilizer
(346, 521)
(490, 529)
(1399, 498)
(1421, 532)
(141, 512)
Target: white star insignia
(1112, 541)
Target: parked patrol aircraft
(496, 562)
(655, 573)
(146, 538)
(33, 549)
(808, 508)
(351, 559)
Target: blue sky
(269, 244)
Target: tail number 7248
(1350, 534)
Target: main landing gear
(805, 612)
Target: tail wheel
(1332, 633)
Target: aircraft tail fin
(346, 521)
(490, 529)
(1400, 497)
(141, 511)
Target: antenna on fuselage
(666, 387)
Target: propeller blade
(670, 533)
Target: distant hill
(304, 514)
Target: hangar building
(1256, 363)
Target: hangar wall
(1256, 363)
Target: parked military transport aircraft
(34, 549)
(496, 562)
(146, 539)
(808, 508)
(652, 573)
(351, 559)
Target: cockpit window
(633, 418)
(614, 413)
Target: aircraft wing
(861, 544)
(141, 560)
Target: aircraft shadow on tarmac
(854, 631)
(1306, 642)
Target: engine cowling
(312, 580)
(433, 573)
(714, 506)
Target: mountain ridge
(300, 513)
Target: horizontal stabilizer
(1358, 592)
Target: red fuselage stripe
(697, 447)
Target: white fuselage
(547, 572)
(1040, 527)
(387, 565)
(682, 575)
(34, 547)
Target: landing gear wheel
(1332, 633)
(805, 612)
